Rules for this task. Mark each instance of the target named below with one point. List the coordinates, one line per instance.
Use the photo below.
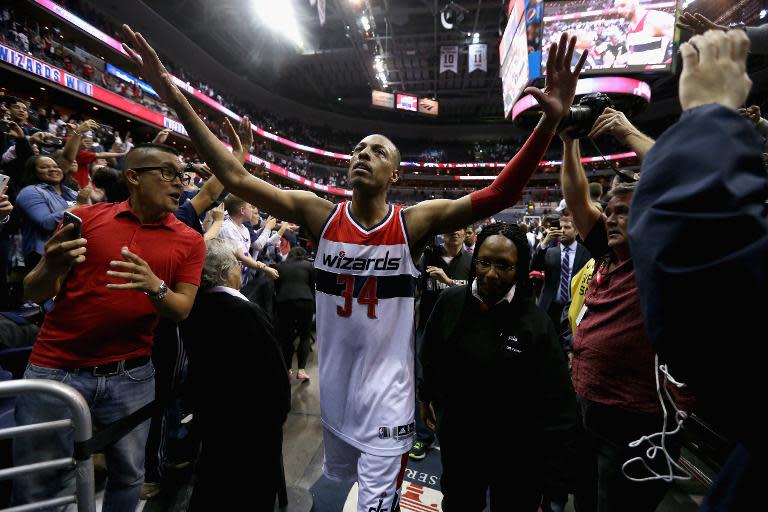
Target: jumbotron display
(513, 52)
(626, 36)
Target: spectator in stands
(239, 236)
(754, 115)
(267, 248)
(86, 157)
(614, 369)
(112, 182)
(560, 257)
(442, 266)
(19, 114)
(242, 322)
(492, 334)
(14, 331)
(98, 337)
(295, 307)
(470, 237)
(67, 156)
(42, 203)
(596, 194)
(692, 186)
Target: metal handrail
(85, 489)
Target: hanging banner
(449, 59)
(321, 11)
(478, 57)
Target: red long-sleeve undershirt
(508, 186)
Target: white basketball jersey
(366, 283)
(644, 48)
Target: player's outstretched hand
(560, 85)
(152, 70)
(715, 70)
(697, 23)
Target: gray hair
(220, 260)
(621, 189)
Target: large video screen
(513, 55)
(514, 70)
(626, 36)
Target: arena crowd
(564, 340)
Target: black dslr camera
(53, 142)
(582, 116)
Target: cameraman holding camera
(613, 361)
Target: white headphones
(680, 417)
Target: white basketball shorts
(378, 478)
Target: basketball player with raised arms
(366, 275)
(651, 34)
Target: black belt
(116, 367)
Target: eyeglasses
(501, 267)
(167, 174)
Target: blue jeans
(109, 399)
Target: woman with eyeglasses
(496, 384)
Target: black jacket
(234, 356)
(699, 239)
(296, 281)
(459, 269)
(241, 398)
(501, 372)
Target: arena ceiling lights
(280, 18)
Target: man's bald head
(375, 164)
(147, 154)
(377, 138)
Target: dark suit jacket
(241, 397)
(548, 260)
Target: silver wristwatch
(160, 295)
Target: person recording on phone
(561, 257)
(133, 263)
(14, 111)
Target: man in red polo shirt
(614, 367)
(134, 263)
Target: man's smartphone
(4, 183)
(69, 218)
(555, 224)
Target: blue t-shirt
(186, 213)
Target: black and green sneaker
(419, 450)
